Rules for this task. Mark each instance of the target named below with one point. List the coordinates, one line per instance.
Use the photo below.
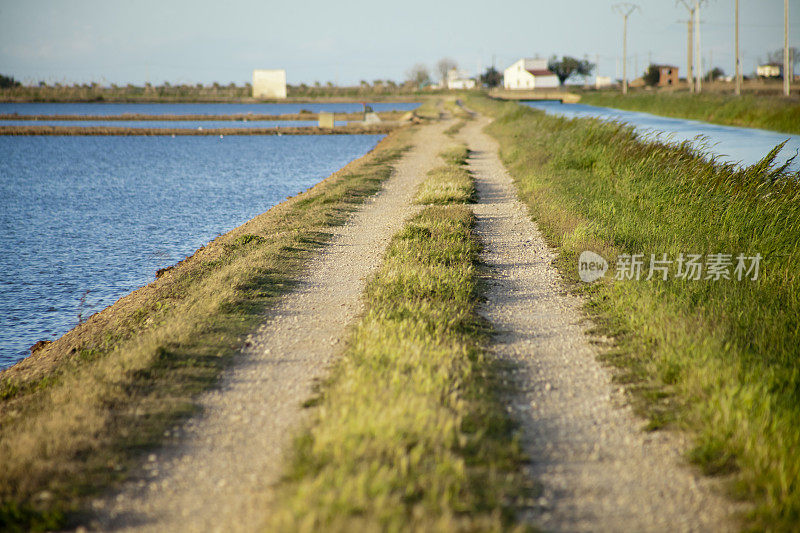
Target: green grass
(450, 183)
(719, 359)
(775, 113)
(455, 128)
(80, 413)
(409, 433)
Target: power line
(786, 70)
(737, 61)
(689, 46)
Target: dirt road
(218, 476)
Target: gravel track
(218, 473)
(597, 469)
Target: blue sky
(122, 41)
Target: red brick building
(667, 75)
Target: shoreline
(129, 131)
(236, 117)
(357, 99)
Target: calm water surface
(196, 109)
(736, 145)
(102, 214)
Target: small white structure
(269, 83)
(770, 70)
(602, 81)
(529, 73)
(459, 80)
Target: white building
(602, 81)
(269, 83)
(529, 73)
(459, 80)
(770, 70)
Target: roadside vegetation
(81, 412)
(409, 432)
(773, 112)
(718, 359)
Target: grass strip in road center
(409, 432)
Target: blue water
(196, 109)
(731, 144)
(192, 124)
(102, 214)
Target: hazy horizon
(203, 42)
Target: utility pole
(738, 77)
(625, 9)
(786, 71)
(689, 45)
(698, 50)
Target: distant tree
(715, 73)
(568, 67)
(776, 56)
(491, 78)
(444, 66)
(652, 75)
(7, 82)
(418, 75)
